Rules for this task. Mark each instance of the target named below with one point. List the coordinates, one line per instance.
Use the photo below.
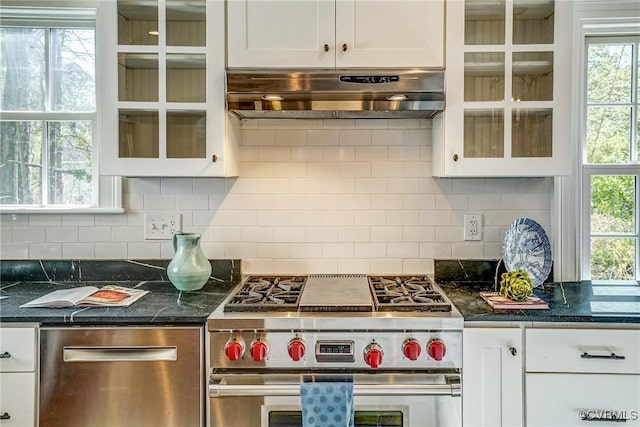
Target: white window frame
(106, 190)
(590, 18)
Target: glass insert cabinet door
(508, 78)
(162, 83)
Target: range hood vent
(373, 94)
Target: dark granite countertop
(24, 280)
(568, 302)
(164, 304)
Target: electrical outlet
(161, 226)
(473, 227)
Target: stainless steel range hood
(408, 93)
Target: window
(48, 121)
(611, 160)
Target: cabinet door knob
(326, 47)
(344, 47)
(513, 351)
(214, 158)
(455, 157)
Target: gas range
(336, 322)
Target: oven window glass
(362, 419)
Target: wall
(313, 196)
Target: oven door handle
(218, 387)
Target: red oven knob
(411, 349)
(373, 355)
(233, 350)
(296, 349)
(436, 349)
(258, 350)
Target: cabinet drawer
(578, 400)
(18, 399)
(18, 348)
(583, 350)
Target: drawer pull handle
(5, 355)
(5, 416)
(612, 356)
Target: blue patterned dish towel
(327, 404)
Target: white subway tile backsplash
(353, 266)
(28, 234)
(258, 137)
(274, 154)
(403, 217)
(354, 234)
(305, 250)
(404, 153)
(78, 250)
(208, 185)
(256, 169)
(44, 251)
(473, 250)
(110, 251)
(44, 220)
(340, 124)
(127, 234)
(370, 217)
(313, 196)
(322, 266)
(15, 251)
(387, 137)
(416, 136)
(160, 202)
(370, 250)
(322, 137)
(290, 137)
(371, 124)
(94, 234)
(354, 137)
(61, 234)
(337, 218)
(386, 234)
(403, 250)
(192, 201)
(290, 234)
(176, 185)
(384, 266)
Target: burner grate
(267, 293)
(407, 293)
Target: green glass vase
(189, 269)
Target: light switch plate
(161, 226)
(473, 227)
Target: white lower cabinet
(575, 376)
(18, 375)
(577, 399)
(18, 399)
(492, 377)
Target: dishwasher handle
(219, 387)
(120, 354)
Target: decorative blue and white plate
(526, 247)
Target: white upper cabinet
(508, 90)
(335, 33)
(161, 71)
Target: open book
(89, 296)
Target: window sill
(35, 210)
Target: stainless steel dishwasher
(121, 376)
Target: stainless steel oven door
(389, 399)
